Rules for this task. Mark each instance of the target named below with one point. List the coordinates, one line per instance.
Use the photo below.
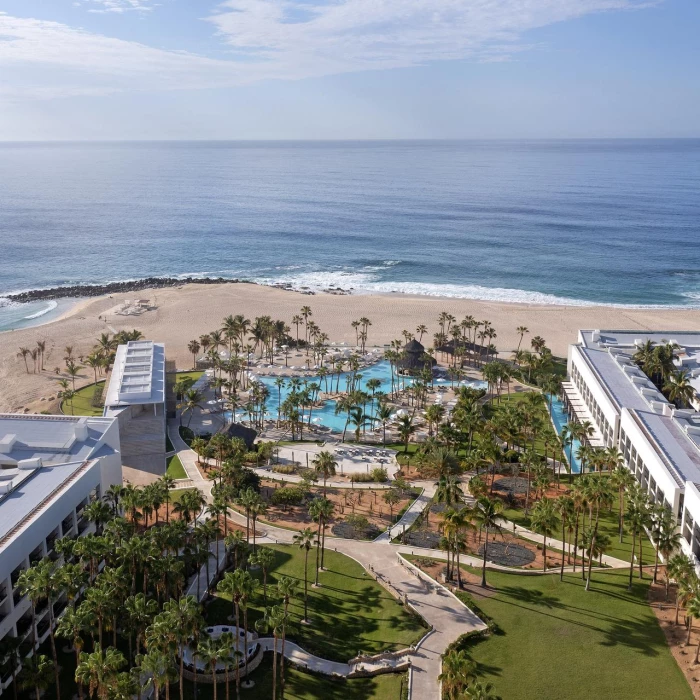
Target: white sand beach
(185, 313)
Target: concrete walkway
(302, 658)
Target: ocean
(565, 222)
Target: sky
(348, 69)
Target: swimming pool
(326, 415)
(560, 419)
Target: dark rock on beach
(96, 290)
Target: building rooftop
(138, 376)
(618, 385)
(629, 341)
(32, 489)
(52, 439)
(679, 452)
(34, 446)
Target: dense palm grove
(120, 590)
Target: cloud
(275, 39)
(118, 6)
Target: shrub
(361, 478)
(379, 474)
(251, 457)
(284, 469)
(287, 496)
(187, 434)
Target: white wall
(653, 462)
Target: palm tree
(521, 331)
(565, 509)
(194, 347)
(305, 540)
(36, 674)
(9, 656)
(98, 670)
(236, 584)
(487, 513)
(692, 611)
(667, 539)
(23, 353)
(286, 587)
(273, 620)
(682, 571)
(359, 419)
(406, 429)
(458, 670)
(140, 612)
(210, 651)
(544, 522)
(679, 388)
(480, 691)
(71, 626)
(156, 667)
(321, 510)
(384, 413)
(191, 399)
(637, 520)
(325, 465)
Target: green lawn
(176, 495)
(307, 686)
(349, 613)
(175, 469)
(82, 402)
(174, 377)
(609, 526)
(558, 641)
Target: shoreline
(95, 291)
(181, 313)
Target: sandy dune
(186, 313)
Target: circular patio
(508, 554)
(514, 485)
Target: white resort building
(659, 442)
(136, 398)
(51, 467)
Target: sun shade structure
(414, 358)
(136, 398)
(138, 376)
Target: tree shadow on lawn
(482, 668)
(633, 634)
(529, 604)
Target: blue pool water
(326, 415)
(560, 419)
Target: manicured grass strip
(169, 447)
(559, 641)
(82, 402)
(349, 613)
(306, 686)
(175, 469)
